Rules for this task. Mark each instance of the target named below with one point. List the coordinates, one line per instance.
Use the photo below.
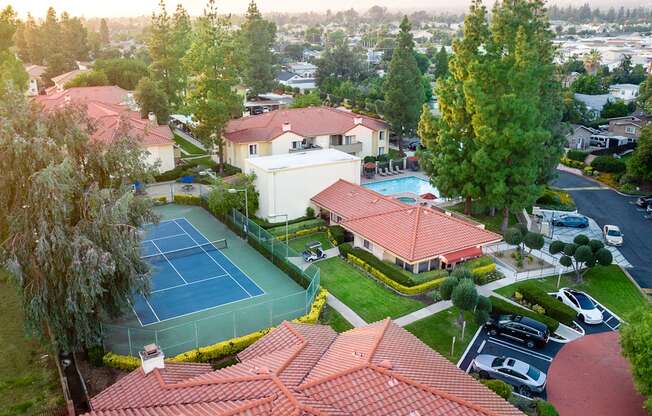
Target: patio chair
(381, 172)
(394, 171)
(397, 170)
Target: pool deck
(406, 173)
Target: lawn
(491, 223)
(299, 243)
(368, 298)
(438, 330)
(29, 383)
(608, 285)
(330, 316)
(187, 146)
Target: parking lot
(540, 358)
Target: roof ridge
(415, 232)
(254, 403)
(332, 376)
(204, 382)
(377, 342)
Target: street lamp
(246, 223)
(286, 231)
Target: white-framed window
(367, 244)
(381, 150)
(253, 149)
(349, 139)
(381, 135)
(630, 129)
(296, 144)
(335, 218)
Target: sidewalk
(348, 313)
(423, 313)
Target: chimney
(357, 121)
(151, 358)
(287, 126)
(152, 119)
(66, 100)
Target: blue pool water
(395, 186)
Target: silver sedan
(524, 377)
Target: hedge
(608, 164)
(500, 306)
(544, 408)
(482, 270)
(337, 234)
(266, 224)
(182, 199)
(219, 350)
(391, 273)
(555, 309)
(499, 387)
(406, 290)
(572, 163)
(577, 155)
(300, 233)
(293, 228)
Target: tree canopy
(636, 343)
(151, 98)
(257, 38)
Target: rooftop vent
(152, 358)
(357, 120)
(287, 126)
(260, 370)
(414, 413)
(392, 382)
(385, 364)
(359, 354)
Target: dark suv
(521, 328)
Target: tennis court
(190, 273)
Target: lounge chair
(397, 170)
(381, 172)
(393, 171)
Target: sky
(117, 8)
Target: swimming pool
(411, 184)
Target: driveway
(606, 206)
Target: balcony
(305, 148)
(355, 147)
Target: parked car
(313, 252)
(577, 221)
(644, 201)
(525, 378)
(581, 303)
(520, 328)
(612, 235)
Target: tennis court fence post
(129, 341)
(196, 335)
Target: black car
(521, 328)
(644, 201)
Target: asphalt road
(606, 206)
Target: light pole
(246, 223)
(286, 231)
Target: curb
(604, 185)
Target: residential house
(421, 238)
(60, 81)
(625, 92)
(628, 126)
(111, 110)
(35, 81)
(580, 136)
(304, 369)
(594, 103)
(303, 69)
(304, 129)
(290, 79)
(264, 103)
(286, 182)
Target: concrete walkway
(348, 313)
(423, 313)
(190, 139)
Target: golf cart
(313, 252)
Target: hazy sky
(93, 8)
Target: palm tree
(592, 61)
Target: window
(381, 135)
(349, 139)
(335, 218)
(381, 150)
(423, 266)
(630, 129)
(399, 262)
(296, 144)
(367, 244)
(253, 149)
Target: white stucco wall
(164, 154)
(288, 191)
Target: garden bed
(510, 258)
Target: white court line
(188, 284)
(151, 240)
(537, 355)
(215, 261)
(168, 260)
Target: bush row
(572, 163)
(503, 307)
(483, 270)
(183, 199)
(336, 234)
(266, 224)
(390, 272)
(608, 164)
(293, 228)
(577, 155)
(300, 233)
(555, 309)
(221, 349)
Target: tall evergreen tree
(212, 64)
(441, 63)
(11, 69)
(151, 98)
(8, 25)
(257, 38)
(450, 149)
(70, 234)
(403, 89)
(105, 36)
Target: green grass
(187, 146)
(331, 317)
(437, 331)
(299, 243)
(491, 223)
(368, 298)
(608, 285)
(29, 382)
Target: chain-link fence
(223, 326)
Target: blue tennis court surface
(189, 274)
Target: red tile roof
(301, 369)
(105, 106)
(306, 122)
(417, 232)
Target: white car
(581, 303)
(524, 377)
(612, 235)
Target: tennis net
(188, 251)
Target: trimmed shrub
(315, 223)
(577, 155)
(381, 266)
(499, 387)
(337, 233)
(553, 308)
(572, 163)
(608, 164)
(503, 307)
(544, 408)
(182, 199)
(447, 286)
(121, 362)
(310, 212)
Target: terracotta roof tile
(311, 121)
